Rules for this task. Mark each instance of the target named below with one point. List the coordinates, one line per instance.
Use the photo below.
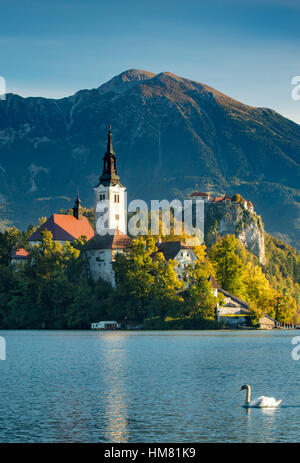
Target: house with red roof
(218, 199)
(18, 256)
(222, 199)
(65, 227)
(199, 195)
(206, 197)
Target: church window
(117, 198)
(117, 217)
(102, 197)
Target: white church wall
(114, 198)
(118, 207)
(100, 264)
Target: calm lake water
(179, 386)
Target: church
(111, 226)
(110, 220)
(110, 235)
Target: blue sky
(248, 49)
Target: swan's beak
(241, 388)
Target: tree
(9, 240)
(200, 299)
(199, 296)
(285, 308)
(258, 291)
(237, 198)
(8, 284)
(228, 265)
(134, 278)
(47, 285)
(166, 286)
(146, 284)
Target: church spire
(77, 209)
(109, 149)
(109, 174)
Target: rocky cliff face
(234, 219)
(172, 135)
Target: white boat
(106, 325)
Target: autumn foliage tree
(52, 289)
(228, 265)
(147, 285)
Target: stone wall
(99, 265)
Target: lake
(155, 386)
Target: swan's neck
(248, 396)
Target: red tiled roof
(197, 193)
(65, 228)
(117, 240)
(19, 254)
(218, 199)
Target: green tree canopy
(228, 265)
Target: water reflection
(264, 410)
(145, 387)
(268, 411)
(116, 408)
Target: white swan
(261, 401)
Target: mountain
(172, 136)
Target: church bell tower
(77, 209)
(110, 196)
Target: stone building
(267, 323)
(235, 313)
